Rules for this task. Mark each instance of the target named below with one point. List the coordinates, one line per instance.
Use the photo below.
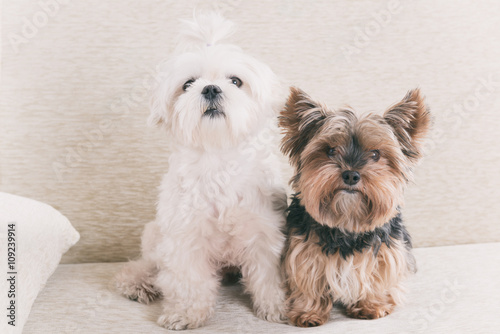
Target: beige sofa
(73, 134)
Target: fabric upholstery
(74, 101)
(455, 290)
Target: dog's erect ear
(410, 120)
(300, 119)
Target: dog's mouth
(213, 112)
(347, 191)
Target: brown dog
(346, 240)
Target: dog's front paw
(309, 319)
(272, 312)
(175, 320)
(366, 310)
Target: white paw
(272, 312)
(174, 322)
(136, 285)
(180, 321)
(143, 293)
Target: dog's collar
(333, 240)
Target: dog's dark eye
(187, 84)
(236, 81)
(375, 155)
(331, 152)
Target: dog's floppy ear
(300, 119)
(162, 91)
(410, 120)
(156, 116)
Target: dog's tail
(206, 28)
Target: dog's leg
(309, 301)
(136, 279)
(305, 310)
(189, 284)
(393, 265)
(377, 304)
(262, 278)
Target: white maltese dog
(222, 201)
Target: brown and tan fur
(384, 150)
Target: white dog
(222, 201)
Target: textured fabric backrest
(74, 101)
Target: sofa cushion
(456, 289)
(33, 237)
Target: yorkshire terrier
(346, 242)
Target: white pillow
(42, 235)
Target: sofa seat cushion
(456, 290)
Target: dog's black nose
(211, 91)
(351, 177)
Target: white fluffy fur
(222, 201)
